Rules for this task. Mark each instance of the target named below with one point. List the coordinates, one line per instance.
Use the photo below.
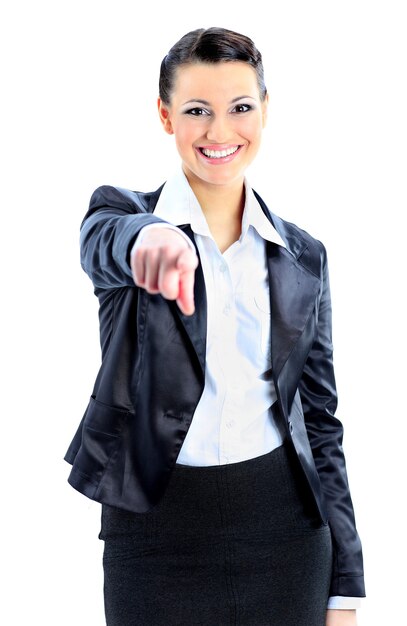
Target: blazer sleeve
(108, 232)
(325, 432)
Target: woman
(210, 436)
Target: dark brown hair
(211, 45)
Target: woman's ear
(264, 106)
(165, 118)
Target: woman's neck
(223, 209)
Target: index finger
(185, 298)
(187, 263)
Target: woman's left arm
(325, 432)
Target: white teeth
(218, 154)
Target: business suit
(152, 374)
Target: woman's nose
(219, 130)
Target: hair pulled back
(211, 45)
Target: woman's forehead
(229, 79)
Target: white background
(79, 86)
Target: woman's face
(217, 117)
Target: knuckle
(138, 254)
(165, 250)
(169, 250)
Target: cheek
(251, 129)
(179, 141)
(185, 135)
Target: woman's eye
(197, 111)
(242, 108)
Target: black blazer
(153, 364)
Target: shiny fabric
(153, 364)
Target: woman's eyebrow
(206, 103)
(241, 98)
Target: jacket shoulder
(122, 199)
(312, 253)
(315, 246)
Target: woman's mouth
(216, 155)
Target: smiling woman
(217, 116)
(211, 438)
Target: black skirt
(237, 544)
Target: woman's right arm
(108, 232)
(163, 263)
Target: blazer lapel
(293, 293)
(196, 324)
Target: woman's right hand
(164, 263)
